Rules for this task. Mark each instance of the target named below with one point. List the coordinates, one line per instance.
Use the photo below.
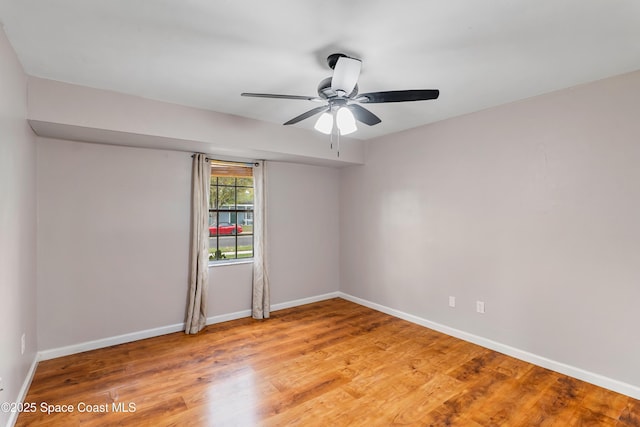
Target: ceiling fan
(341, 99)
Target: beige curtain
(260, 305)
(199, 271)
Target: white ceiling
(204, 53)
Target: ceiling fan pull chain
(334, 129)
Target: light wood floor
(332, 363)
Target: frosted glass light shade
(345, 121)
(324, 123)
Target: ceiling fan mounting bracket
(332, 59)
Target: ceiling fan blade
(307, 114)
(363, 115)
(398, 96)
(345, 74)
(270, 95)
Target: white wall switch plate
(480, 306)
(452, 301)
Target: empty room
(349, 213)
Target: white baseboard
(274, 307)
(22, 394)
(303, 301)
(163, 330)
(109, 341)
(226, 317)
(581, 374)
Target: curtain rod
(230, 163)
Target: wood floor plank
(630, 416)
(328, 363)
(524, 393)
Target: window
(230, 212)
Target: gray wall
(532, 207)
(113, 240)
(17, 229)
(303, 233)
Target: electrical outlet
(480, 306)
(452, 301)
(23, 343)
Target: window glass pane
(226, 197)
(245, 198)
(246, 219)
(213, 194)
(225, 180)
(245, 182)
(245, 248)
(227, 244)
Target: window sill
(231, 262)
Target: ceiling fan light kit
(340, 92)
(340, 121)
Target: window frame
(224, 172)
